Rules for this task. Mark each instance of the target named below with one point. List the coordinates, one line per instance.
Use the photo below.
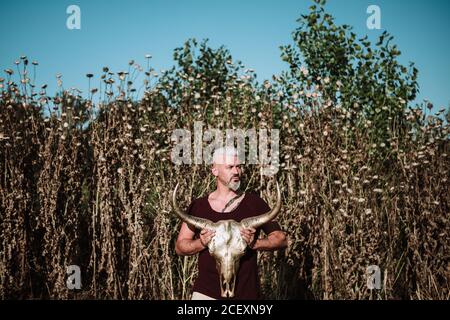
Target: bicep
(277, 234)
(278, 239)
(186, 233)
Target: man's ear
(214, 170)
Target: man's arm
(274, 241)
(186, 245)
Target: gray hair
(220, 153)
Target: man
(227, 203)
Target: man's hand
(206, 236)
(248, 235)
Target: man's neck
(224, 197)
(223, 192)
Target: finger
(246, 237)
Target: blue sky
(113, 32)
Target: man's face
(228, 171)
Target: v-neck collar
(225, 213)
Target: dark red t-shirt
(247, 280)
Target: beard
(234, 185)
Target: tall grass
(89, 184)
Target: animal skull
(227, 246)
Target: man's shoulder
(255, 202)
(253, 196)
(199, 199)
(258, 206)
(197, 206)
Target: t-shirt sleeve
(263, 207)
(191, 211)
(270, 227)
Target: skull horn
(197, 222)
(255, 222)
